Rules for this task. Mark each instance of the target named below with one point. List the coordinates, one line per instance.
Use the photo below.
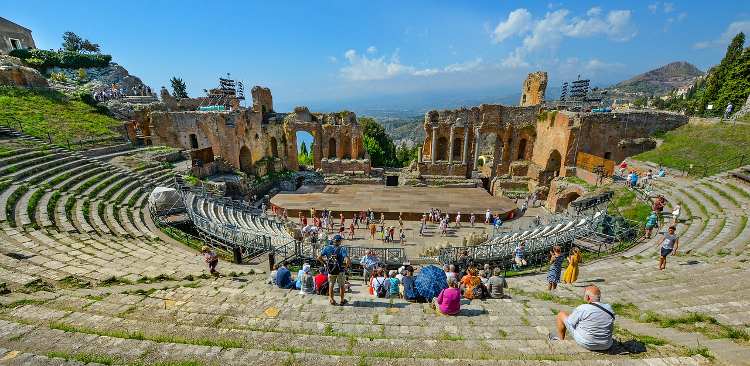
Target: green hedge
(42, 59)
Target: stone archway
(522, 149)
(246, 160)
(332, 148)
(442, 149)
(274, 148)
(458, 144)
(554, 162)
(562, 194)
(346, 147)
(564, 201)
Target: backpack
(332, 263)
(380, 289)
(476, 292)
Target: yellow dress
(571, 273)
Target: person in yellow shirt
(574, 259)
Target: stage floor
(411, 201)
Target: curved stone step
(112, 221)
(79, 221)
(97, 222)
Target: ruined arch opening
(458, 148)
(246, 160)
(274, 148)
(347, 147)
(554, 162)
(332, 148)
(522, 150)
(193, 141)
(564, 202)
(488, 143)
(442, 148)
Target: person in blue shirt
(651, 222)
(634, 180)
(336, 259)
(284, 278)
(410, 288)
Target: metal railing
(501, 250)
(253, 243)
(705, 170)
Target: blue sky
(329, 54)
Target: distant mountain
(661, 80)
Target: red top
(319, 279)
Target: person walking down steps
(553, 275)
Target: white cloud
(333, 59)
(518, 22)
(653, 7)
(364, 68)
(668, 7)
(548, 32)
(514, 61)
(464, 67)
(372, 49)
(595, 11)
(592, 67)
(726, 37)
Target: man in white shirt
(591, 324)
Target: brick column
(476, 148)
(450, 148)
(433, 153)
(465, 155)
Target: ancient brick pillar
(355, 147)
(476, 149)
(433, 153)
(466, 146)
(450, 148)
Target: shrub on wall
(42, 59)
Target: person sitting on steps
(321, 282)
(448, 301)
(284, 277)
(590, 324)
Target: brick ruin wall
(511, 129)
(534, 88)
(258, 140)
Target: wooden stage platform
(411, 201)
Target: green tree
(179, 89)
(71, 42)
(82, 76)
(378, 144)
(405, 155)
(717, 90)
(304, 157)
(89, 46)
(640, 102)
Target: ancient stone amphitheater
(89, 278)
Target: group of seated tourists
(307, 281)
(591, 325)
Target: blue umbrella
(430, 281)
